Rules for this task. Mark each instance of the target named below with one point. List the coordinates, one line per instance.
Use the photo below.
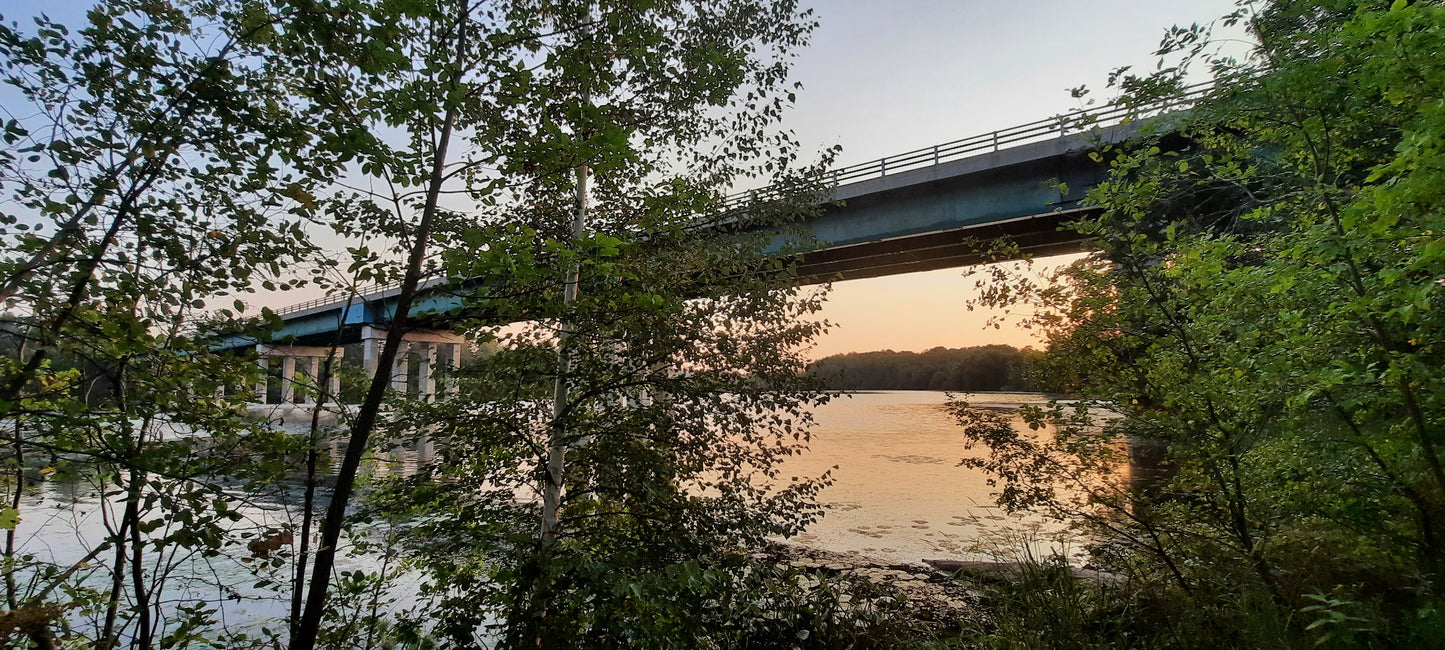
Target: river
(898, 496)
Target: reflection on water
(64, 521)
(899, 494)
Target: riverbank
(926, 587)
(945, 598)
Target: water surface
(899, 494)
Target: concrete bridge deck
(917, 211)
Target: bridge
(917, 211)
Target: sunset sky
(888, 77)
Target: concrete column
(298, 379)
(426, 372)
(399, 367)
(371, 342)
(452, 387)
(314, 370)
(288, 380)
(265, 363)
(429, 357)
(334, 385)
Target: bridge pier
(288, 380)
(311, 357)
(420, 348)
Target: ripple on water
(911, 459)
(897, 476)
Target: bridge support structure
(418, 363)
(426, 350)
(308, 359)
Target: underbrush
(754, 605)
(1046, 605)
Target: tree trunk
(308, 501)
(144, 628)
(10, 598)
(310, 624)
(557, 434)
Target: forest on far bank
(978, 368)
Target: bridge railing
(365, 291)
(1071, 123)
(303, 306)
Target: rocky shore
(944, 593)
(936, 595)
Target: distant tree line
(979, 368)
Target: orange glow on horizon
(916, 312)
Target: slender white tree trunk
(556, 438)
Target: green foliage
(669, 438)
(1261, 324)
(1044, 605)
(687, 393)
(157, 160)
(649, 406)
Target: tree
(1264, 308)
(155, 160)
(414, 67)
(685, 391)
(980, 368)
(175, 171)
(543, 99)
(665, 339)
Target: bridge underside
(940, 216)
(951, 214)
(1035, 236)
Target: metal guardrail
(1060, 126)
(302, 306)
(1072, 123)
(364, 292)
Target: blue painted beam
(931, 218)
(921, 219)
